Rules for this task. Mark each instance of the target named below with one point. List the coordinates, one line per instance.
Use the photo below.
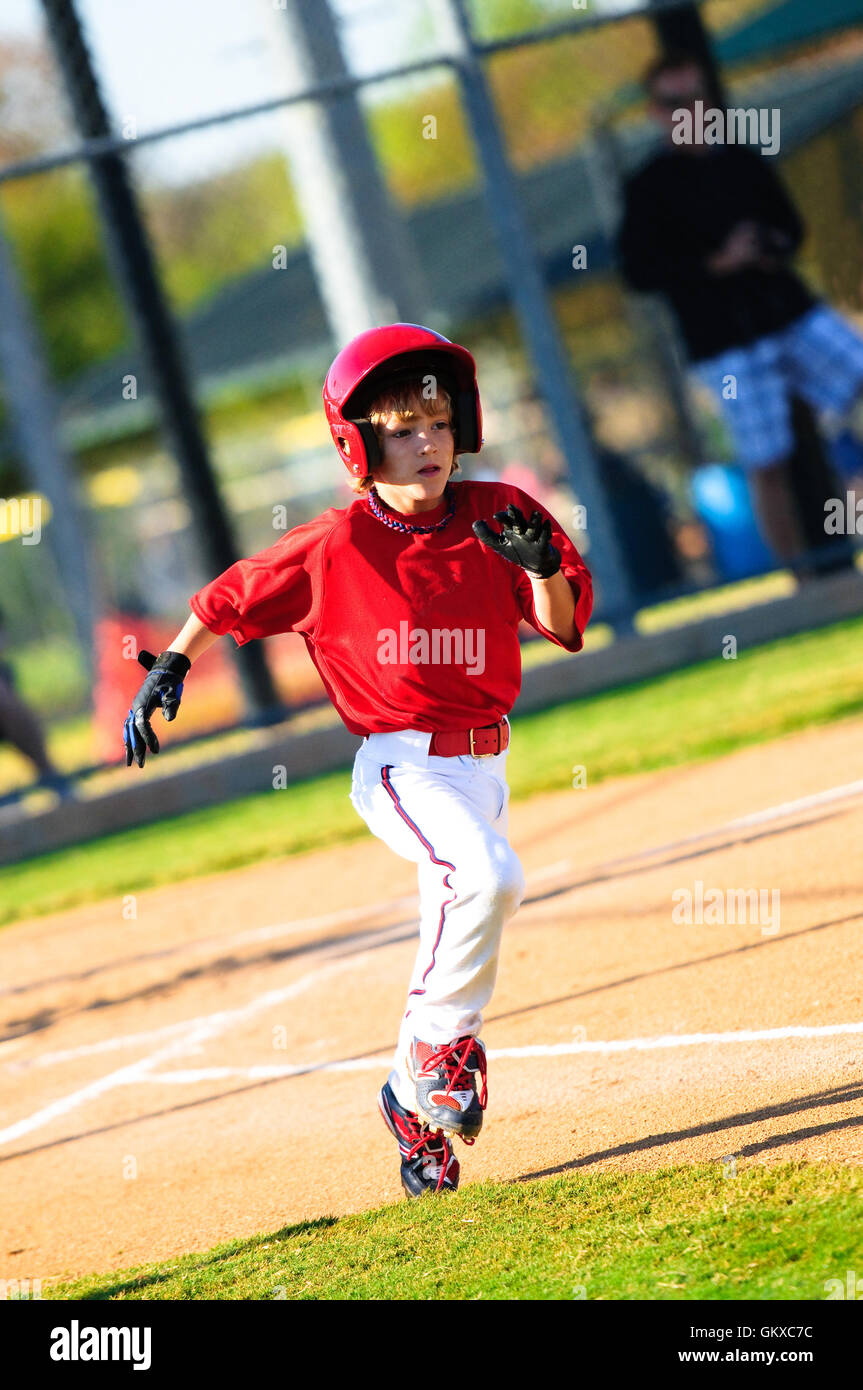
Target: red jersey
(407, 630)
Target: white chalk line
(142, 1071)
(801, 803)
(196, 1031)
(191, 1077)
(771, 813)
(666, 1040)
(114, 1044)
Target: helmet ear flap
(467, 422)
(370, 444)
(357, 444)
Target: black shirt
(679, 210)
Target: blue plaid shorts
(819, 357)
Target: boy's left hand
(524, 543)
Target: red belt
(479, 743)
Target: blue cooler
(720, 495)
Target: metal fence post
(33, 416)
(134, 265)
(357, 244)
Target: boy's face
(417, 453)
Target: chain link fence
(222, 210)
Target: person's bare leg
(776, 510)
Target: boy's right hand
(163, 687)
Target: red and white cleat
(445, 1077)
(428, 1163)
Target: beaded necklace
(404, 526)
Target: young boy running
(409, 604)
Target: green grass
(674, 1233)
(727, 598)
(690, 715)
(49, 674)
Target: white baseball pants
(448, 815)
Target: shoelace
(446, 1157)
(452, 1057)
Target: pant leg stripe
(444, 863)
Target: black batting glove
(162, 688)
(524, 543)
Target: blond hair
(407, 399)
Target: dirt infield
(208, 1068)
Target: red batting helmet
(373, 359)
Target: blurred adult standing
(711, 227)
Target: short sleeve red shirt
(407, 630)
